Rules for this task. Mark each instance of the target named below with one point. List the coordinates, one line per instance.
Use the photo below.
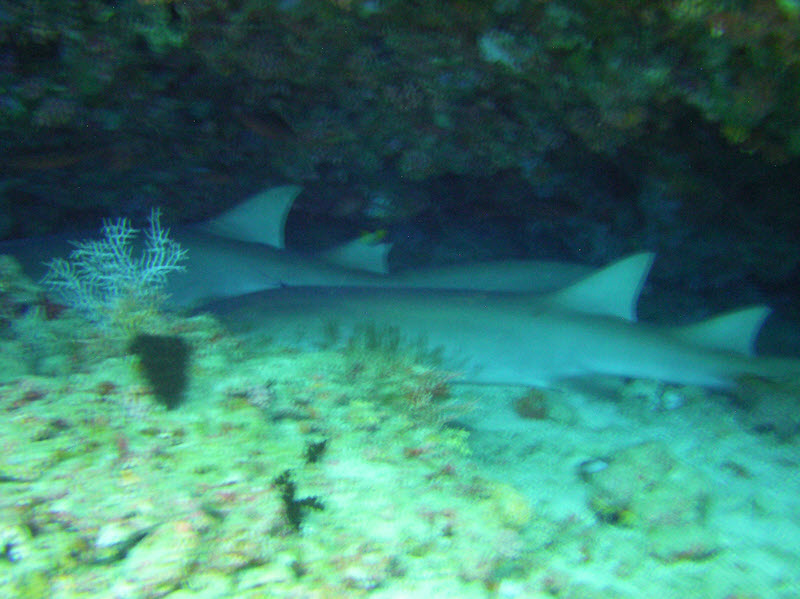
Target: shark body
(220, 267)
(588, 328)
(242, 251)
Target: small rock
(158, 564)
(692, 543)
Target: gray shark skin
(219, 267)
(588, 328)
(216, 266)
(242, 251)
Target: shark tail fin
(612, 291)
(259, 219)
(733, 331)
(361, 255)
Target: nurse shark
(243, 251)
(588, 328)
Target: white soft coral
(101, 278)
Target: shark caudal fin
(259, 219)
(610, 291)
(734, 331)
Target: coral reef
(219, 497)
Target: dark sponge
(165, 364)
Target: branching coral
(102, 280)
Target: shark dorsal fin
(733, 331)
(611, 291)
(259, 219)
(361, 255)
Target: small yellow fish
(373, 237)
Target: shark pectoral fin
(733, 331)
(610, 291)
(259, 219)
(361, 255)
